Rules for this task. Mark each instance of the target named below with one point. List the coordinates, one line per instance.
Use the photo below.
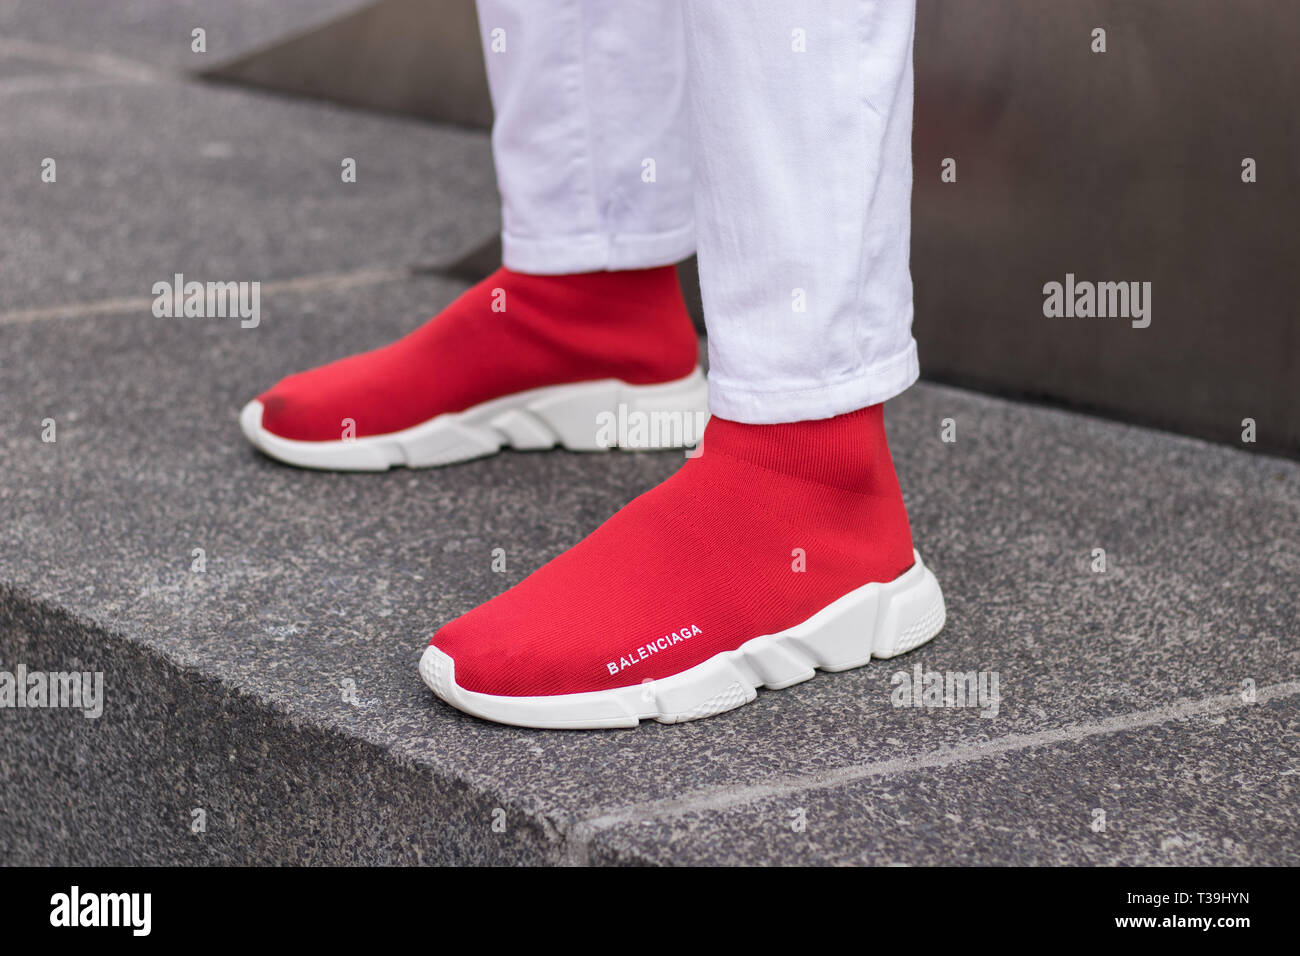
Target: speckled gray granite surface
(276, 691)
(159, 32)
(164, 177)
(1206, 787)
(226, 689)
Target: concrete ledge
(123, 789)
(277, 689)
(226, 689)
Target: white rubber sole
(875, 620)
(584, 416)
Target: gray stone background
(1123, 691)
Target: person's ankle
(631, 325)
(844, 465)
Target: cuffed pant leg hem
(872, 386)
(595, 253)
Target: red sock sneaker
(781, 549)
(521, 360)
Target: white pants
(772, 138)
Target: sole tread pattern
(878, 620)
(559, 415)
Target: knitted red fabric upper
(510, 333)
(710, 556)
